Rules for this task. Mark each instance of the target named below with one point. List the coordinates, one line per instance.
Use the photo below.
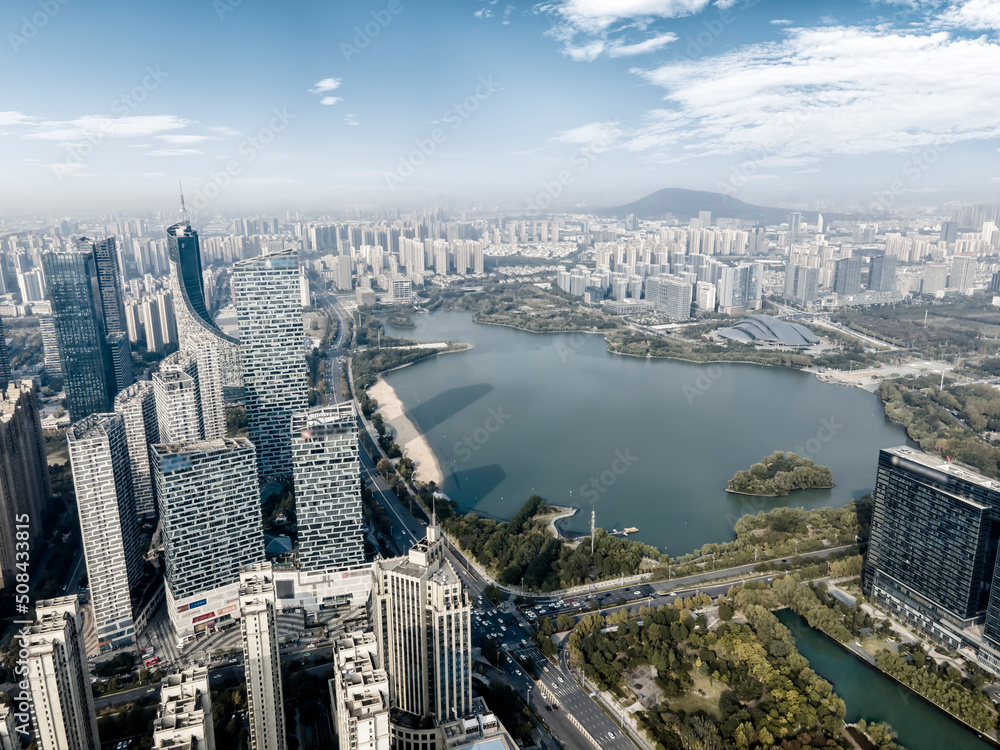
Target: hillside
(685, 204)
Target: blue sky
(263, 105)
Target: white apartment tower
(184, 718)
(359, 693)
(102, 476)
(62, 706)
(260, 657)
(327, 478)
(423, 628)
(137, 407)
(177, 411)
(209, 502)
(273, 355)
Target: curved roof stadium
(769, 331)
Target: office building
(50, 346)
(184, 717)
(209, 503)
(62, 705)
(102, 477)
(261, 661)
(137, 407)
(882, 273)
(5, 373)
(88, 371)
(342, 273)
(25, 492)
(401, 290)
(112, 307)
(195, 327)
(847, 276)
(963, 274)
(327, 478)
(670, 296)
(273, 355)
(949, 231)
(935, 278)
(801, 284)
(359, 694)
(422, 617)
(933, 542)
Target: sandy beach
(410, 440)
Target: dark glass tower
(185, 251)
(88, 372)
(111, 296)
(5, 373)
(933, 542)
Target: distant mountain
(685, 204)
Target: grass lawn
(873, 645)
(703, 696)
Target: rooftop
(944, 466)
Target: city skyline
(772, 101)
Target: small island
(779, 474)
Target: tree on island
(779, 474)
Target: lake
(645, 443)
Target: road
(334, 357)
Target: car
(561, 680)
(611, 735)
(548, 708)
(518, 672)
(555, 707)
(307, 654)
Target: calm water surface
(871, 695)
(645, 443)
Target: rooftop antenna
(184, 213)
(433, 509)
(593, 519)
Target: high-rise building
(50, 346)
(359, 693)
(847, 276)
(88, 371)
(882, 273)
(794, 225)
(5, 373)
(935, 278)
(195, 328)
(262, 663)
(184, 717)
(120, 351)
(327, 479)
(949, 231)
(62, 705)
(963, 273)
(422, 617)
(177, 408)
(801, 284)
(670, 296)
(401, 290)
(209, 502)
(933, 542)
(102, 477)
(273, 355)
(25, 491)
(342, 272)
(137, 406)
(109, 281)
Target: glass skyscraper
(88, 370)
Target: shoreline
(753, 494)
(411, 441)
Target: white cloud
(173, 152)
(973, 14)
(527, 151)
(598, 15)
(224, 131)
(183, 140)
(590, 133)
(351, 120)
(327, 84)
(139, 126)
(843, 90)
(781, 22)
(15, 118)
(585, 53)
(650, 45)
(330, 100)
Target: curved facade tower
(195, 329)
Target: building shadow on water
(432, 412)
(469, 486)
